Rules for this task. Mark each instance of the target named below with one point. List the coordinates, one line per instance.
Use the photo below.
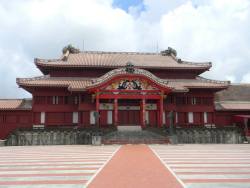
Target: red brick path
(135, 166)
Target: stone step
(129, 128)
(122, 142)
(134, 137)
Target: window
(170, 99)
(193, 102)
(55, 100)
(205, 117)
(66, 100)
(198, 100)
(39, 100)
(190, 117)
(110, 117)
(147, 117)
(181, 100)
(176, 117)
(75, 99)
(208, 100)
(1, 118)
(75, 117)
(164, 117)
(92, 117)
(42, 121)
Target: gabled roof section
(235, 92)
(15, 104)
(199, 82)
(235, 98)
(95, 59)
(232, 105)
(82, 84)
(59, 82)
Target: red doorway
(129, 117)
(152, 118)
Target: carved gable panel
(130, 84)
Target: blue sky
(125, 4)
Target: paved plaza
(208, 166)
(51, 166)
(173, 166)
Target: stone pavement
(75, 166)
(206, 166)
(51, 166)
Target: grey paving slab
(53, 167)
(194, 165)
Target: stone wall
(87, 136)
(50, 137)
(209, 135)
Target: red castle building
(83, 89)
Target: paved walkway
(135, 166)
(206, 166)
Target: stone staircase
(134, 137)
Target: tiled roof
(119, 59)
(79, 84)
(45, 81)
(15, 104)
(232, 105)
(235, 92)
(235, 97)
(199, 82)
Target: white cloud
(14, 64)
(199, 30)
(217, 32)
(246, 78)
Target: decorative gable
(130, 84)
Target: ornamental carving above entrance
(131, 84)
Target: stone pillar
(143, 113)
(115, 112)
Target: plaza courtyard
(173, 166)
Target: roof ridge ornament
(170, 51)
(69, 49)
(129, 68)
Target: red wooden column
(160, 110)
(143, 113)
(97, 107)
(115, 112)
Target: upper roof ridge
(10, 99)
(240, 84)
(121, 52)
(33, 78)
(196, 63)
(212, 81)
(42, 60)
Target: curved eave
(28, 87)
(15, 109)
(208, 87)
(233, 110)
(45, 67)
